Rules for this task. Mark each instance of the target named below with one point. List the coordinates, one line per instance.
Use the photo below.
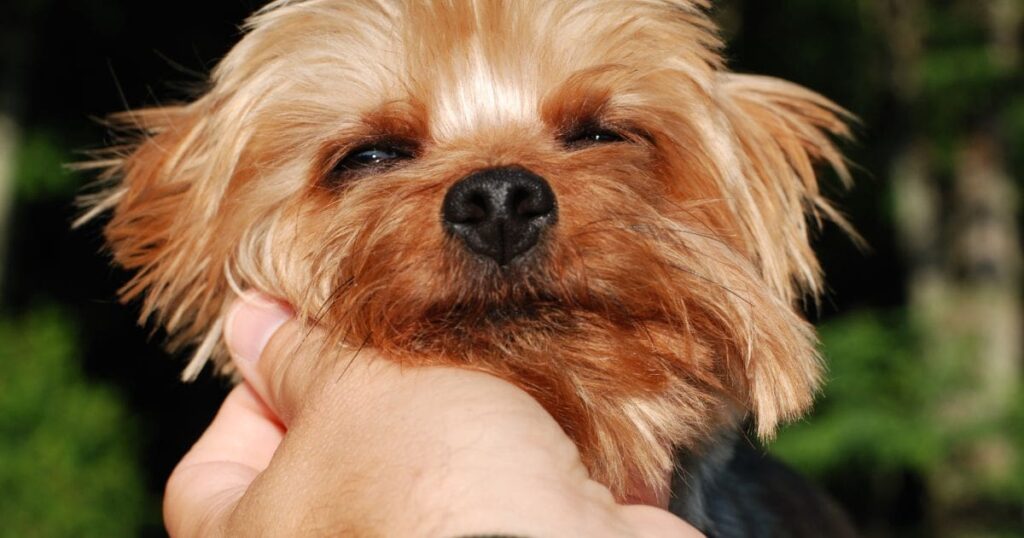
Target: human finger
(211, 478)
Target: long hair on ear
(781, 131)
(165, 191)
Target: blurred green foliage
(39, 168)
(964, 80)
(878, 416)
(874, 404)
(68, 460)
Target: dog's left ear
(781, 132)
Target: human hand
(316, 442)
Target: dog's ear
(782, 131)
(166, 195)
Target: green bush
(68, 463)
(874, 405)
(881, 414)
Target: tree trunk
(978, 329)
(964, 267)
(8, 147)
(984, 317)
(15, 42)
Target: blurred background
(920, 431)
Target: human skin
(333, 442)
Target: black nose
(500, 212)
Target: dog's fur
(660, 310)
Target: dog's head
(576, 196)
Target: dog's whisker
(709, 280)
(352, 359)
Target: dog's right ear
(165, 194)
(782, 131)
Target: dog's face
(575, 196)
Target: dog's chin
(483, 327)
(512, 314)
(509, 316)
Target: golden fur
(661, 307)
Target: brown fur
(660, 308)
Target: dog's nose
(500, 212)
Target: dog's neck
(732, 489)
(696, 477)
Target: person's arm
(318, 442)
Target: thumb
(274, 352)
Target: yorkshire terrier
(576, 196)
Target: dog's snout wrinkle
(500, 213)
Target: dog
(576, 196)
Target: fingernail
(251, 322)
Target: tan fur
(662, 305)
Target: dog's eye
(590, 135)
(375, 156)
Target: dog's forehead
(467, 64)
(494, 64)
(482, 64)
(477, 88)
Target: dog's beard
(629, 330)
